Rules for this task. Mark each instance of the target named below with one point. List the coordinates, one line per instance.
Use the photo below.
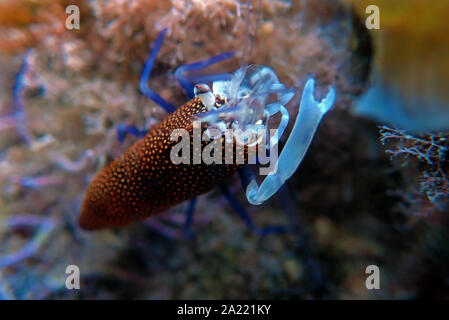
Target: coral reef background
(64, 92)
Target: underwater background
(372, 190)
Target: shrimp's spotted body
(144, 181)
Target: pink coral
(431, 151)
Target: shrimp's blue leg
(246, 218)
(163, 229)
(246, 176)
(212, 78)
(307, 121)
(124, 129)
(188, 233)
(19, 105)
(186, 82)
(146, 90)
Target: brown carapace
(144, 181)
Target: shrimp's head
(245, 102)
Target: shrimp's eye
(201, 88)
(203, 92)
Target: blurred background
(373, 188)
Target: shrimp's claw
(309, 117)
(308, 97)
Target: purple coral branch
(46, 225)
(19, 104)
(37, 182)
(74, 166)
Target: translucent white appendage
(307, 121)
(246, 103)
